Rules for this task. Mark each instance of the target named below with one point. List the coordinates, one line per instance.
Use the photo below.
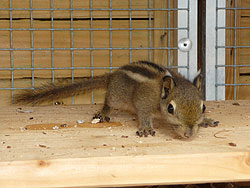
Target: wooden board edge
(127, 170)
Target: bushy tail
(50, 92)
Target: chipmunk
(145, 88)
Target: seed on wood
(232, 144)
(236, 104)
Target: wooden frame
(201, 56)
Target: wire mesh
(32, 9)
(237, 43)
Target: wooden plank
(244, 3)
(243, 38)
(244, 90)
(100, 4)
(244, 53)
(121, 171)
(115, 156)
(161, 37)
(231, 53)
(201, 43)
(42, 39)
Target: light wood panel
(230, 55)
(242, 54)
(62, 39)
(64, 14)
(121, 171)
(164, 38)
(115, 156)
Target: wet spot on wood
(50, 126)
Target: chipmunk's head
(182, 105)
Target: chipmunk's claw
(207, 122)
(145, 132)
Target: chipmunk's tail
(52, 92)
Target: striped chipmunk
(144, 88)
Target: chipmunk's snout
(187, 132)
(187, 135)
(191, 131)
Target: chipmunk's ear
(198, 80)
(167, 86)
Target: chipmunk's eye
(170, 109)
(203, 108)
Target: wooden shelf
(77, 156)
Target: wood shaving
(222, 131)
(80, 121)
(55, 128)
(20, 110)
(96, 120)
(23, 129)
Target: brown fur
(50, 92)
(144, 88)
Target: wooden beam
(127, 171)
(202, 42)
(109, 156)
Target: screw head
(185, 44)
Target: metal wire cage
(54, 40)
(228, 45)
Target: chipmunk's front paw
(145, 132)
(208, 122)
(100, 118)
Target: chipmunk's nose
(189, 133)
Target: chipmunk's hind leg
(118, 96)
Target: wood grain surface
(112, 155)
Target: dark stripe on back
(139, 70)
(155, 66)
